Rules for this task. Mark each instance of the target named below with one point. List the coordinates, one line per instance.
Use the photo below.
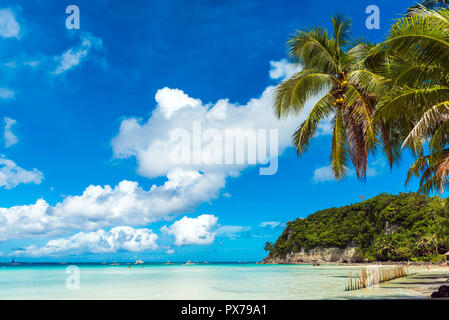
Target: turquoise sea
(178, 281)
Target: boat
(189, 263)
(115, 264)
(168, 262)
(138, 261)
(13, 262)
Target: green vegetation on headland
(404, 227)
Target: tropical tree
(343, 75)
(431, 4)
(423, 243)
(417, 103)
(268, 246)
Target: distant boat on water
(189, 263)
(13, 262)
(115, 264)
(138, 261)
(168, 262)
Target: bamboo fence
(372, 276)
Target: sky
(86, 117)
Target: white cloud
(102, 207)
(12, 175)
(187, 186)
(231, 231)
(6, 93)
(121, 238)
(270, 224)
(282, 69)
(171, 100)
(151, 142)
(74, 56)
(32, 63)
(9, 27)
(323, 174)
(8, 136)
(198, 230)
(325, 127)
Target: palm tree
(418, 50)
(385, 248)
(431, 4)
(341, 73)
(433, 240)
(423, 243)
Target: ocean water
(213, 281)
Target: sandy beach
(424, 282)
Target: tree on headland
(267, 246)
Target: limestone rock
(317, 255)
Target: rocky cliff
(384, 228)
(317, 255)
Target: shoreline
(421, 282)
(290, 281)
(338, 263)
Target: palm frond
(423, 128)
(339, 149)
(305, 132)
(313, 49)
(292, 94)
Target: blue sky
(67, 95)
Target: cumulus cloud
(323, 174)
(154, 142)
(11, 175)
(171, 100)
(202, 230)
(6, 93)
(74, 56)
(101, 207)
(121, 238)
(198, 230)
(8, 136)
(150, 142)
(282, 69)
(9, 27)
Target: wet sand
(421, 282)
